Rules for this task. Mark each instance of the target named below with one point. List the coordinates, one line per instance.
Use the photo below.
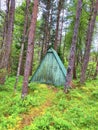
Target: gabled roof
(51, 70)
(51, 50)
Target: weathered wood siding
(51, 70)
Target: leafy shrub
(62, 104)
(94, 95)
(90, 70)
(49, 122)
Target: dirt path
(37, 111)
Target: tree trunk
(32, 61)
(47, 28)
(74, 71)
(8, 37)
(22, 45)
(41, 52)
(61, 27)
(88, 42)
(96, 71)
(5, 28)
(9, 33)
(6, 21)
(23, 62)
(19, 66)
(57, 25)
(73, 47)
(30, 48)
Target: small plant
(2, 75)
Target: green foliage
(12, 105)
(91, 70)
(49, 107)
(48, 122)
(15, 59)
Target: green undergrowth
(12, 106)
(76, 110)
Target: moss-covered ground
(48, 108)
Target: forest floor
(48, 108)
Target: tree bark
(8, 36)
(9, 32)
(22, 45)
(61, 27)
(47, 27)
(30, 48)
(5, 28)
(88, 42)
(6, 21)
(74, 70)
(57, 25)
(73, 47)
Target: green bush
(90, 70)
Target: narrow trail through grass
(49, 108)
(34, 112)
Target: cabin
(51, 70)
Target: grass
(48, 108)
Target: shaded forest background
(55, 27)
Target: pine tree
(88, 41)
(8, 37)
(73, 46)
(30, 48)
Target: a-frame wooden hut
(51, 70)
